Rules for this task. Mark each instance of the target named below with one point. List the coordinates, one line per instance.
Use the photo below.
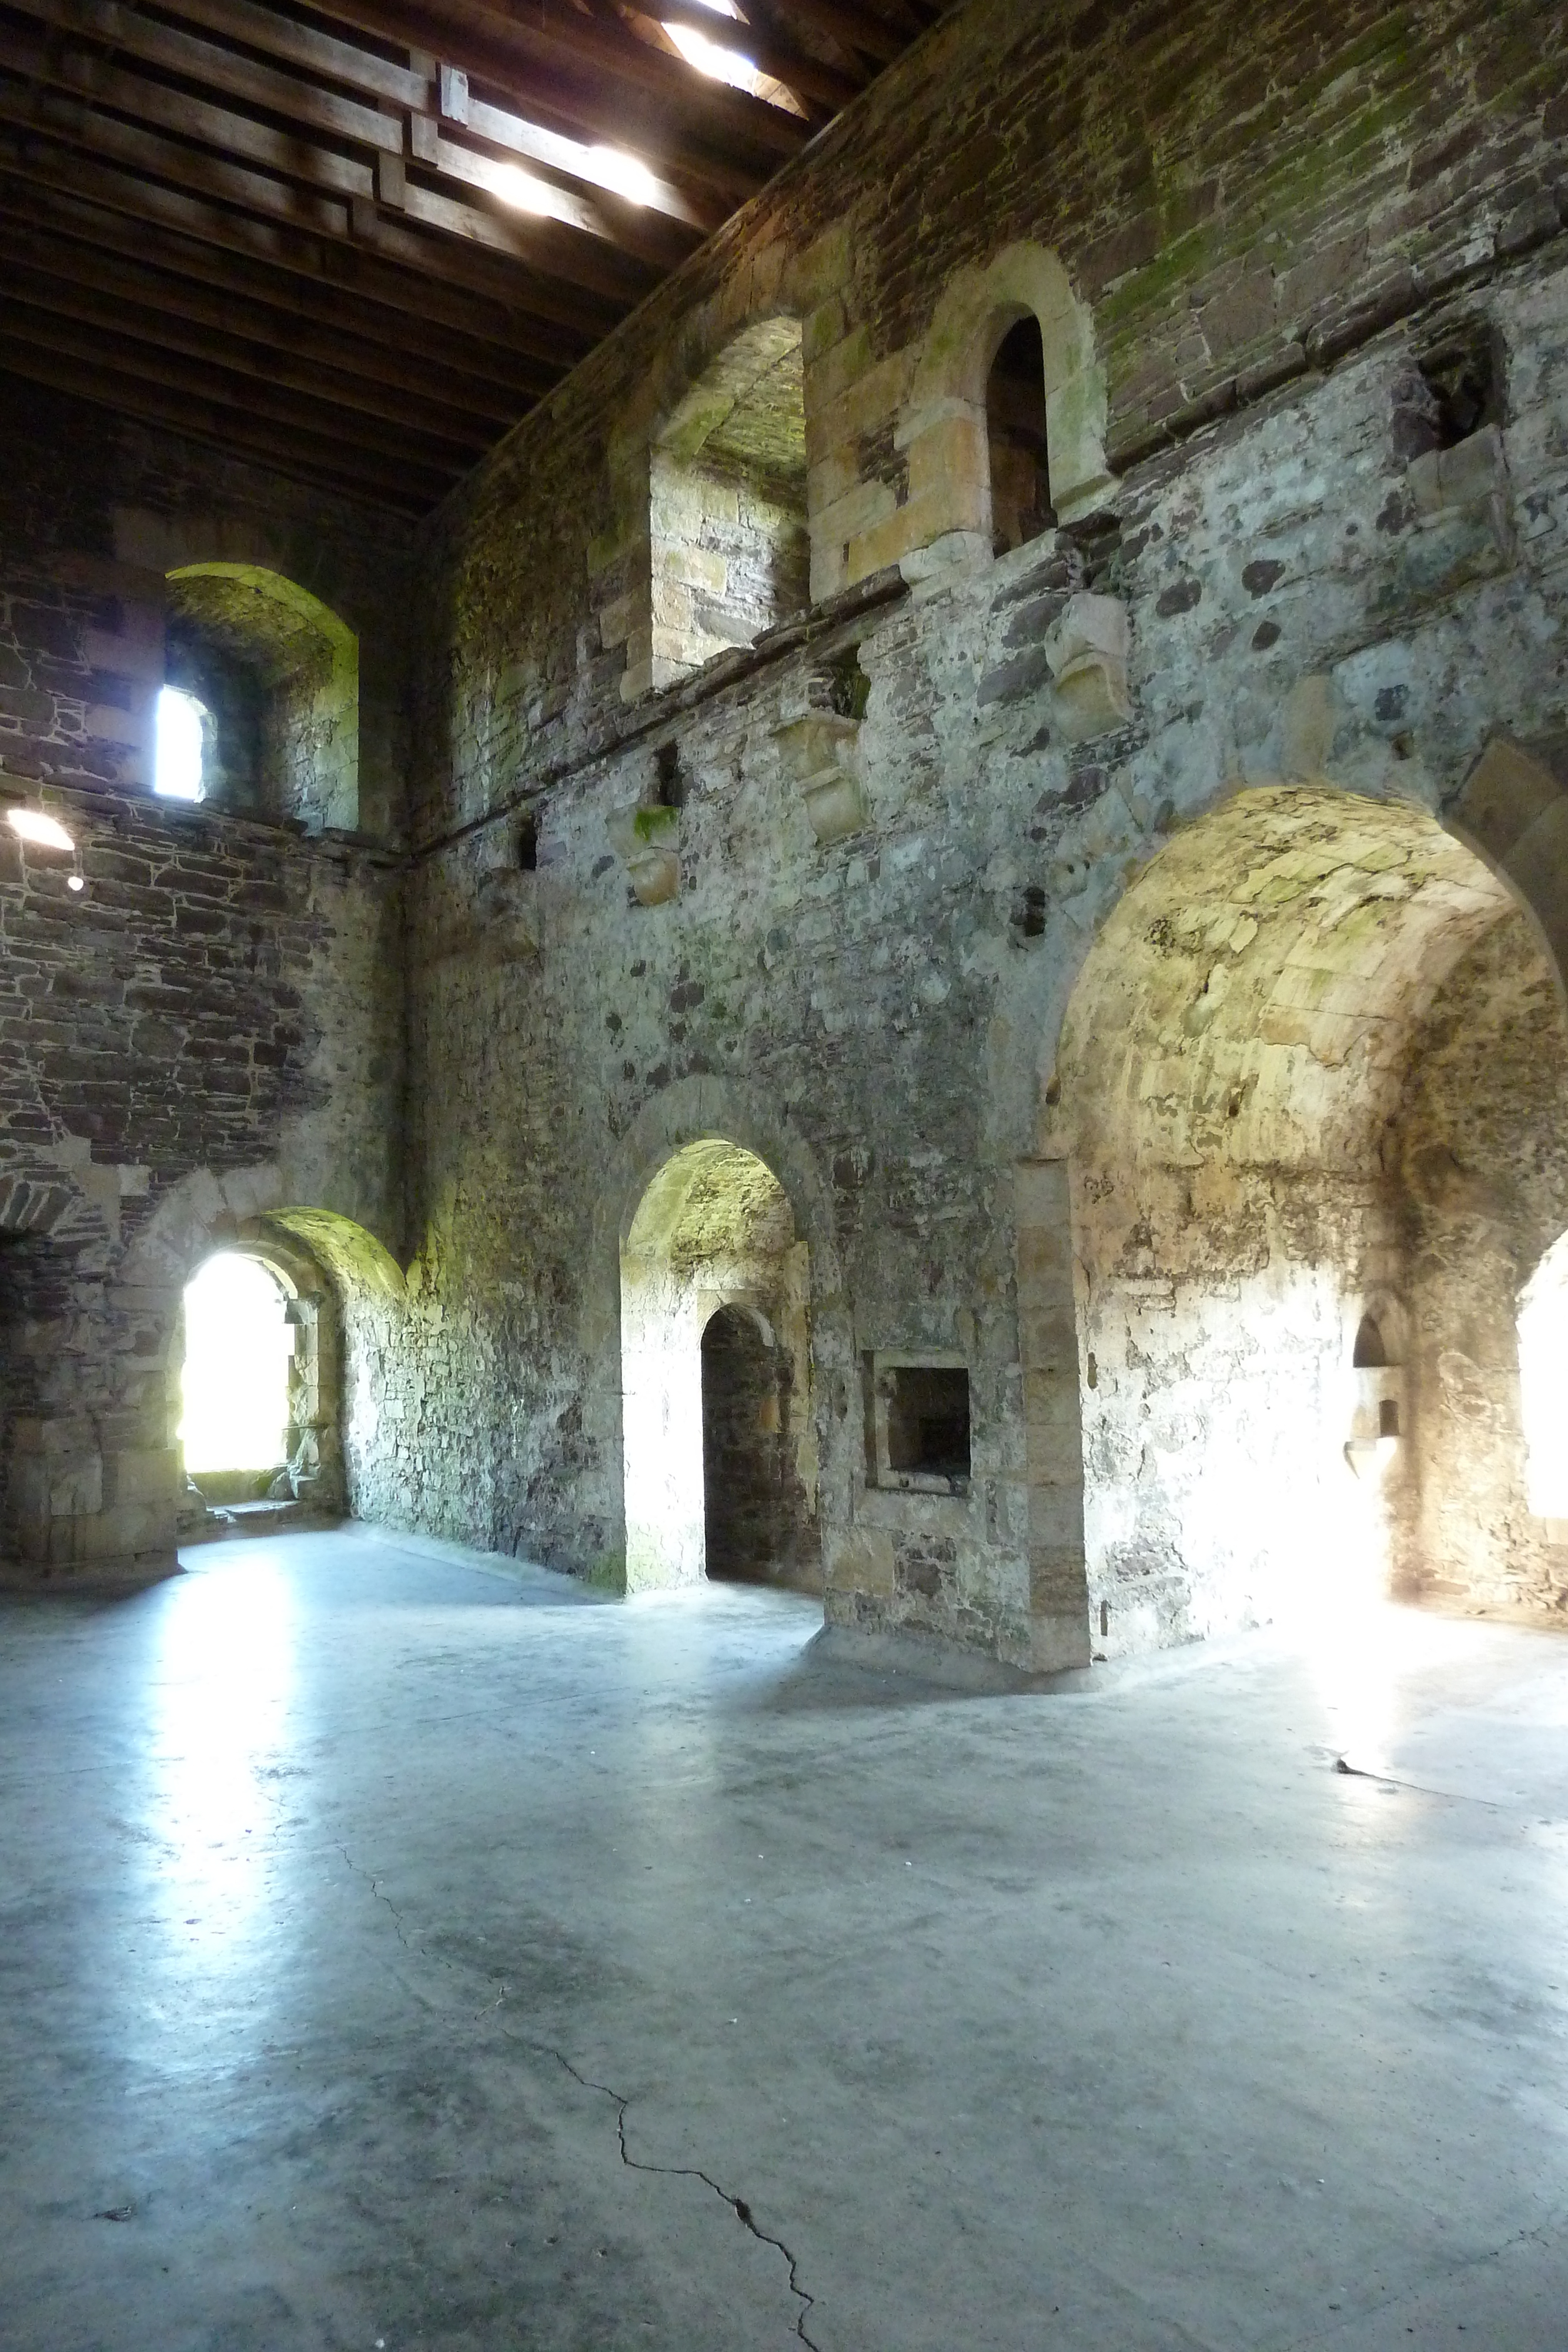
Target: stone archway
(712, 1237)
(690, 1110)
(1227, 1118)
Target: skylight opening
(182, 725)
(711, 57)
(612, 168)
(524, 189)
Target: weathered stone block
(818, 754)
(1088, 649)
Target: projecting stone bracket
(645, 841)
(818, 755)
(1462, 528)
(507, 914)
(1088, 648)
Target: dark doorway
(746, 1519)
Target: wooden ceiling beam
(553, 251)
(662, 245)
(71, 118)
(159, 107)
(497, 126)
(583, 77)
(139, 305)
(468, 296)
(106, 22)
(482, 380)
(338, 465)
(556, 261)
(155, 105)
(121, 354)
(314, 51)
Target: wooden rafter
(354, 231)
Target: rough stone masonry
(1132, 954)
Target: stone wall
(211, 1030)
(848, 947)
(1483, 1153)
(203, 1035)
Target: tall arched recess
(715, 1377)
(943, 426)
(1288, 1102)
(728, 553)
(278, 672)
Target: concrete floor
(398, 1952)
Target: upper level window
(1016, 436)
(182, 724)
(730, 552)
(274, 676)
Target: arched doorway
(234, 1381)
(1237, 1097)
(719, 1444)
(750, 1507)
(258, 1376)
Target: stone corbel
(507, 914)
(818, 753)
(1473, 473)
(645, 841)
(1087, 647)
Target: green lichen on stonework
(653, 823)
(1391, 39)
(1189, 257)
(607, 1571)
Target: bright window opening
(1544, 1383)
(238, 1348)
(181, 731)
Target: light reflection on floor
(220, 1697)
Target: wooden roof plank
(73, 119)
(684, 119)
(338, 466)
(662, 249)
(532, 319)
(829, 85)
(517, 136)
(318, 264)
(542, 245)
(484, 380)
(106, 22)
(120, 302)
(303, 45)
(127, 354)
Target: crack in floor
(375, 1886)
(737, 2205)
(1417, 1788)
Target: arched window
(183, 728)
(1016, 438)
(1544, 1383)
(274, 675)
(729, 550)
